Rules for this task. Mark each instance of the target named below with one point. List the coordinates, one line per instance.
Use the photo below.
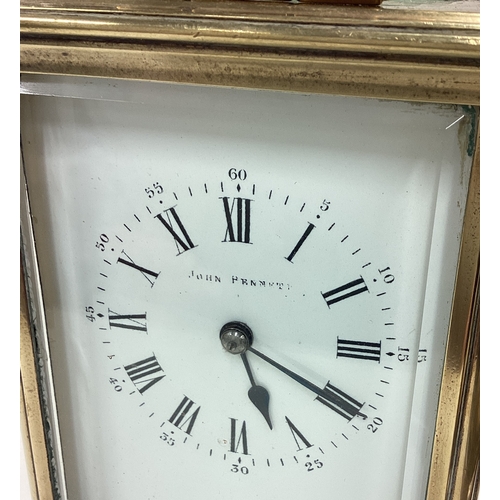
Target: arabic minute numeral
(168, 439)
(311, 466)
(375, 424)
(239, 468)
(114, 383)
(103, 238)
(324, 206)
(90, 316)
(388, 278)
(156, 189)
(403, 354)
(237, 174)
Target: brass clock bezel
(377, 52)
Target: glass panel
(329, 225)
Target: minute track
(249, 436)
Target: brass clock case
(376, 52)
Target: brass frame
(31, 412)
(371, 52)
(396, 54)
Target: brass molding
(275, 11)
(367, 52)
(454, 472)
(32, 420)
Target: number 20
(377, 422)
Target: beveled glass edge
(457, 423)
(43, 440)
(31, 415)
(32, 418)
(465, 484)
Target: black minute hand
(330, 396)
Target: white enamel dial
(318, 233)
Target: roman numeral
(181, 237)
(297, 435)
(140, 373)
(339, 402)
(303, 238)
(181, 415)
(242, 438)
(127, 321)
(147, 273)
(345, 291)
(358, 349)
(238, 221)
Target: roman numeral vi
(240, 440)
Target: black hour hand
(258, 395)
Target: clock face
(278, 266)
(244, 291)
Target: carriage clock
(249, 249)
